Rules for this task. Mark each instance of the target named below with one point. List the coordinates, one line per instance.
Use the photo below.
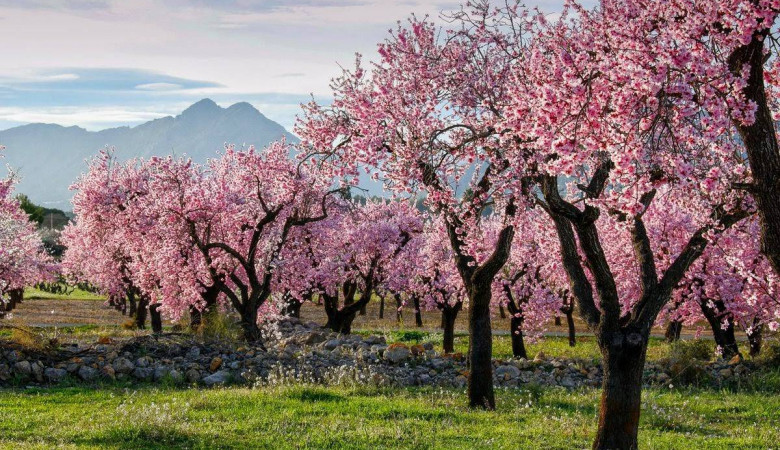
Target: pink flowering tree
(424, 119)
(100, 245)
(633, 159)
(23, 260)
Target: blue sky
(104, 63)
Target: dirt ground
(75, 313)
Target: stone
(87, 373)
(176, 376)
(736, 359)
(332, 344)
(109, 372)
(192, 375)
(143, 361)
(23, 368)
(193, 353)
(417, 350)
(143, 373)
(215, 364)
(397, 353)
(123, 365)
(315, 338)
(539, 357)
(568, 382)
(53, 375)
(507, 372)
(726, 373)
(373, 340)
(460, 381)
(217, 378)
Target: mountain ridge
(50, 157)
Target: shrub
(216, 326)
(697, 349)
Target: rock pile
(306, 353)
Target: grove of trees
(619, 163)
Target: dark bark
(381, 306)
(558, 321)
(480, 383)
(572, 330)
(398, 308)
(292, 307)
(417, 311)
(132, 306)
(761, 145)
(755, 337)
(156, 319)
(516, 326)
(448, 315)
(141, 312)
(717, 317)
(622, 338)
(623, 356)
(501, 311)
(673, 330)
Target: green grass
(317, 417)
(77, 294)
(551, 346)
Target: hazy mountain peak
(50, 157)
(204, 106)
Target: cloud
(158, 86)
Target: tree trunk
(140, 312)
(516, 327)
(132, 306)
(673, 330)
(381, 306)
(156, 319)
(761, 146)
(623, 356)
(362, 311)
(480, 382)
(501, 311)
(398, 303)
(448, 316)
(755, 337)
(417, 312)
(518, 344)
(558, 321)
(724, 337)
(572, 330)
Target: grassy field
(339, 417)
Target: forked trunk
(623, 359)
(480, 382)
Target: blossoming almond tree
(423, 118)
(634, 158)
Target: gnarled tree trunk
(623, 359)
(480, 382)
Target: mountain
(48, 158)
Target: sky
(104, 63)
